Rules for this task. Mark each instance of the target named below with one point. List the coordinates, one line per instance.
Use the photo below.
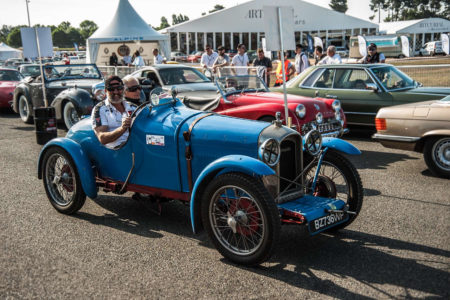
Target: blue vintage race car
(243, 179)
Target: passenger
(240, 60)
(373, 57)
(332, 57)
(221, 61)
(265, 66)
(111, 117)
(288, 69)
(301, 60)
(158, 59)
(208, 58)
(138, 60)
(132, 90)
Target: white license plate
(326, 221)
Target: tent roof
(416, 26)
(126, 25)
(4, 47)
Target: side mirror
(174, 92)
(372, 87)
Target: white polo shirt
(240, 61)
(158, 59)
(105, 114)
(208, 60)
(336, 59)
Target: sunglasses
(115, 88)
(134, 88)
(372, 49)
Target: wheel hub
(325, 187)
(443, 154)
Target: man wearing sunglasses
(111, 117)
(373, 57)
(133, 90)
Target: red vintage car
(195, 57)
(8, 80)
(248, 97)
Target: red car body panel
(7, 92)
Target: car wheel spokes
(441, 154)
(333, 174)
(60, 180)
(236, 220)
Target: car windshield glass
(171, 76)
(239, 84)
(61, 72)
(392, 78)
(30, 71)
(10, 75)
(355, 79)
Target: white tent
(125, 27)
(9, 52)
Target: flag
(75, 45)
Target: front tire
(437, 156)
(241, 218)
(70, 115)
(338, 179)
(25, 108)
(62, 182)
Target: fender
(226, 164)
(21, 89)
(80, 159)
(80, 98)
(340, 145)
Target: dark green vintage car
(362, 89)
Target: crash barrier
(428, 75)
(45, 124)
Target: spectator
(127, 59)
(301, 60)
(264, 66)
(373, 57)
(66, 59)
(289, 69)
(241, 60)
(208, 57)
(221, 61)
(113, 60)
(332, 57)
(138, 60)
(157, 59)
(318, 55)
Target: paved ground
(399, 247)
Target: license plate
(326, 221)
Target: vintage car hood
(192, 87)
(81, 83)
(8, 85)
(438, 91)
(311, 104)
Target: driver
(111, 118)
(230, 83)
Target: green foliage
(87, 28)
(411, 9)
(4, 31)
(179, 19)
(219, 7)
(339, 5)
(14, 40)
(164, 24)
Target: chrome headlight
(269, 152)
(100, 95)
(300, 110)
(337, 115)
(336, 105)
(319, 118)
(313, 142)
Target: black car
(72, 89)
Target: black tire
(25, 109)
(68, 181)
(70, 115)
(436, 157)
(255, 215)
(267, 119)
(343, 183)
(401, 56)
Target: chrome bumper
(396, 138)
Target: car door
(309, 86)
(36, 93)
(359, 103)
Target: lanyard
(241, 60)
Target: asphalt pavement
(115, 247)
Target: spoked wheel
(241, 218)
(437, 156)
(337, 179)
(25, 110)
(62, 182)
(70, 115)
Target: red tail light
(380, 124)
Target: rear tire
(62, 182)
(437, 156)
(241, 218)
(70, 115)
(25, 108)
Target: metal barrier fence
(428, 75)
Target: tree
(64, 26)
(14, 39)
(219, 7)
(411, 9)
(4, 31)
(339, 5)
(164, 24)
(87, 28)
(179, 19)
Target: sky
(53, 12)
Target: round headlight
(336, 105)
(100, 95)
(319, 118)
(313, 142)
(269, 152)
(337, 115)
(300, 110)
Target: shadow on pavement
(348, 255)
(377, 159)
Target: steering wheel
(140, 107)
